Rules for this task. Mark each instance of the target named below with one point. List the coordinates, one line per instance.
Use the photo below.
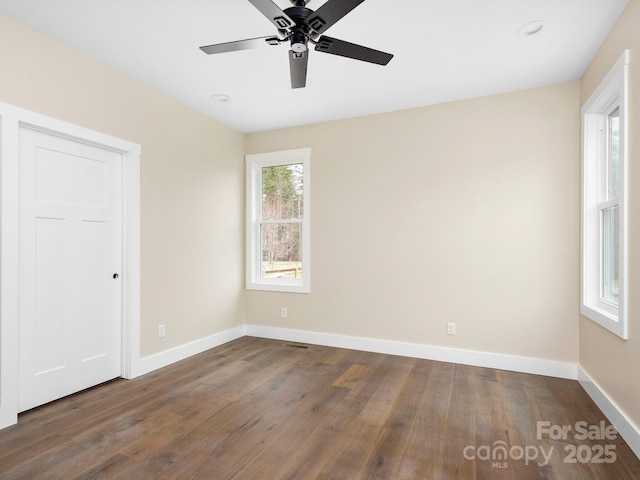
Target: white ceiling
(444, 50)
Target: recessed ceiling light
(531, 28)
(220, 98)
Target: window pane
(282, 192)
(613, 160)
(610, 254)
(281, 250)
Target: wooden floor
(262, 409)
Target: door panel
(69, 179)
(95, 269)
(49, 312)
(70, 241)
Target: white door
(69, 264)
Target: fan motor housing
(299, 35)
(298, 14)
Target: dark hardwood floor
(262, 409)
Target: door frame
(11, 120)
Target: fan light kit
(299, 26)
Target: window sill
(605, 319)
(278, 287)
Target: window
(604, 202)
(278, 225)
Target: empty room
(321, 239)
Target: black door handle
(115, 276)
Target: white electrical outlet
(283, 312)
(162, 331)
(451, 328)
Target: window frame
(611, 94)
(254, 165)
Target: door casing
(11, 119)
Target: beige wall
(192, 187)
(465, 212)
(610, 361)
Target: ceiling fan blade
(240, 45)
(298, 67)
(273, 12)
(330, 13)
(351, 50)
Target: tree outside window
(283, 209)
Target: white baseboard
(466, 357)
(625, 427)
(154, 362)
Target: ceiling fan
(300, 26)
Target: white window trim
(611, 93)
(255, 163)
